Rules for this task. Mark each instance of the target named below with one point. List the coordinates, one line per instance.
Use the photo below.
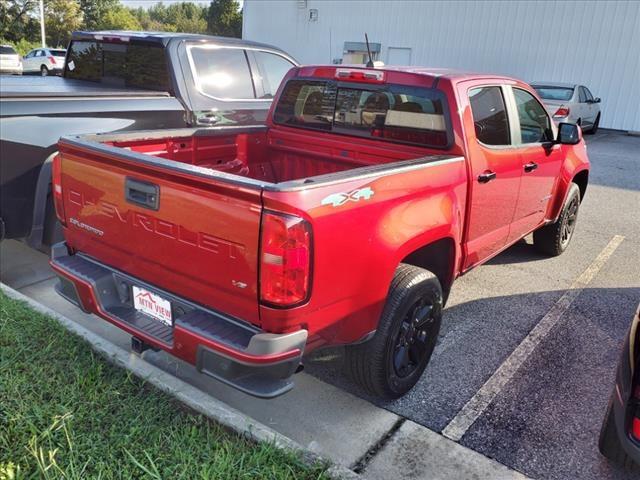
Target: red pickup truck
(344, 220)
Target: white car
(45, 61)
(570, 103)
(9, 60)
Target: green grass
(67, 413)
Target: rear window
(7, 51)
(58, 53)
(393, 112)
(118, 64)
(554, 93)
(221, 72)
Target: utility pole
(42, 23)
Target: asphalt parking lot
(545, 421)
(546, 401)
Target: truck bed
(255, 155)
(33, 86)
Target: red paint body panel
(204, 239)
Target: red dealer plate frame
(152, 305)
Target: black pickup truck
(119, 81)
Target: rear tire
(553, 239)
(609, 442)
(44, 71)
(392, 362)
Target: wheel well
(438, 258)
(582, 179)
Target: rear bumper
(11, 70)
(232, 351)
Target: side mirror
(569, 134)
(596, 100)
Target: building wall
(592, 42)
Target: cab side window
(582, 97)
(490, 116)
(535, 126)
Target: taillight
(285, 254)
(562, 112)
(360, 75)
(635, 406)
(53, 59)
(56, 185)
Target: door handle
(530, 167)
(145, 194)
(486, 177)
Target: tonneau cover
(42, 87)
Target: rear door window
(393, 112)
(490, 116)
(588, 95)
(582, 95)
(221, 73)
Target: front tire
(44, 71)
(392, 362)
(553, 239)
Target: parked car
(342, 221)
(10, 60)
(45, 61)
(118, 81)
(620, 434)
(570, 103)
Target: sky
(149, 3)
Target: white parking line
(459, 425)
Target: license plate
(153, 305)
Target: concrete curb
(182, 391)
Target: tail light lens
(56, 185)
(285, 267)
(53, 59)
(360, 75)
(562, 112)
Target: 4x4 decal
(337, 199)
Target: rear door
(496, 170)
(27, 61)
(193, 236)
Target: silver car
(570, 103)
(10, 60)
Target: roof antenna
(370, 62)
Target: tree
(18, 20)
(188, 17)
(61, 17)
(119, 18)
(225, 18)
(95, 10)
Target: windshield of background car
(118, 64)
(7, 51)
(394, 113)
(554, 93)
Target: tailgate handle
(145, 194)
